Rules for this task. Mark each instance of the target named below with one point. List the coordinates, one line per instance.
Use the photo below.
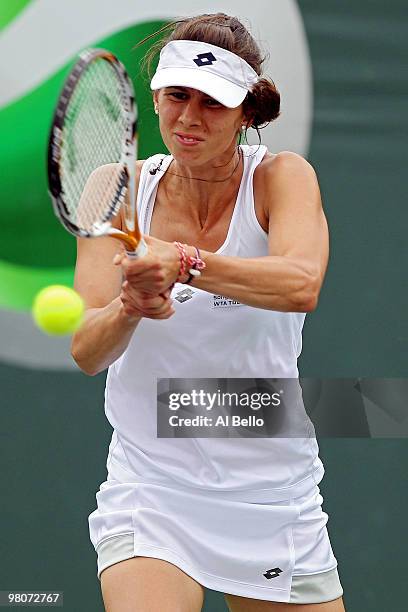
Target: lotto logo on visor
(205, 59)
(223, 75)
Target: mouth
(188, 140)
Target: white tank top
(210, 337)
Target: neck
(207, 198)
(212, 170)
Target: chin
(190, 157)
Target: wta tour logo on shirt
(220, 301)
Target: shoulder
(282, 174)
(283, 164)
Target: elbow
(84, 367)
(308, 298)
(87, 370)
(309, 305)
(82, 364)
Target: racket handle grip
(140, 251)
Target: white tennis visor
(217, 72)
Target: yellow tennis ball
(58, 310)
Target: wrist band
(197, 264)
(183, 259)
(193, 264)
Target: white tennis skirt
(276, 551)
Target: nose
(190, 113)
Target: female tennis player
(237, 252)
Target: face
(189, 112)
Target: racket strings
(92, 147)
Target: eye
(178, 95)
(212, 102)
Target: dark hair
(261, 106)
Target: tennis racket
(92, 151)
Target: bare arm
(107, 329)
(111, 315)
(290, 277)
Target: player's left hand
(156, 271)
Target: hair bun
(262, 103)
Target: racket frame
(132, 238)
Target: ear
(155, 100)
(155, 96)
(248, 120)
